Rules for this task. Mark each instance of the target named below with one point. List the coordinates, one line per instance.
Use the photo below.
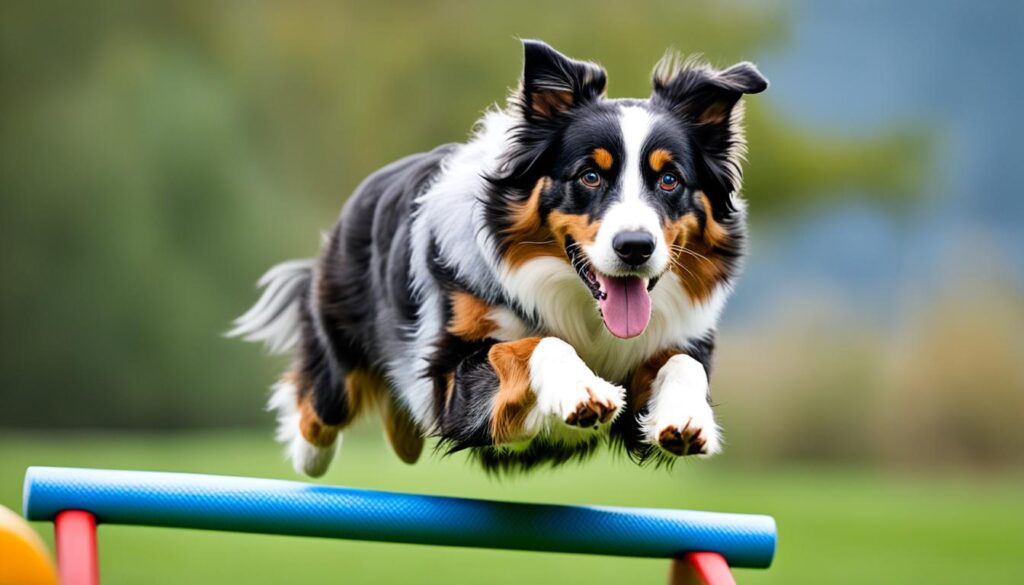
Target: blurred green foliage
(155, 158)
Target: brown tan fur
(714, 233)
(527, 235)
(449, 389)
(311, 426)
(314, 431)
(549, 103)
(515, 399)
(716, 114)
(643, 378)
(695, 261)
(603, 159)
(363, 389)
(469, 317)
(369, 388)
(401, 430)
(578, 227)
(658, 158)
(530, 237)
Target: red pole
(701, 568)
(75, 533)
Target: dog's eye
(668, 182)
(590, 179)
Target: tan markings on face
(551, 102)
(695, 258)
(527, 236)
(515, 399)
(469, 317)
(678, 233)
(714, 233)
(603, 159)
(643, 377)
(578, 227)
(403, 434)
(658, 158)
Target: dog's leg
(310, 443)
(511, 392)
(670, 399)
(568, 391)
(316, 399)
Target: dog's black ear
(701, 94)
(553, 84)
(706, 100)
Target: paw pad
(592, 411)
(688, 440)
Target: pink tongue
(626, 307)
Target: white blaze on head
(631, 212)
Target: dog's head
(624, 190)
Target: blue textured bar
(238, 504)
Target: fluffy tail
(274, 319)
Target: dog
(550, 285)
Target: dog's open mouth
(624, 301)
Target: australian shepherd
(552, 283)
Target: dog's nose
(633, 248)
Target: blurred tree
(155, 158)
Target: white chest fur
(551, 289)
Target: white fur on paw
(306, 458)
(568, 392)
(310, 459)
(591, 402)
(679, 419)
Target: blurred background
(155, 159)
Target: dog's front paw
(694, 437)
(568, 390)
(598, 403)
(679, 419)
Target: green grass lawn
(836, 525)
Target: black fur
(359, 324)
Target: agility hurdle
(703, 545)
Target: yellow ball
(26, 561)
